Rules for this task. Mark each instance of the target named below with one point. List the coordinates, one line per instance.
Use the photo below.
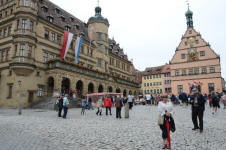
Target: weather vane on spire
(98, 2)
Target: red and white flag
(66, 43)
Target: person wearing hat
(198, 108)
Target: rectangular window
(212, 69)
(160, 76)
(144, 77)
(154, 91)
(186, 43)
(100, 48)
(99, 36)
(147, 84)
(182, 56)
(196, 70)
(51, 56)
(211, 87)
(203, 70)
(180, 89)
(184, 72)
(147, 77)
(45, 57)
(160, 91)
(197, 41)
(31, 25)
(24, 24)
(53, 37)
(190, 71)
(46, 34)
(58, 39)
(177, 73)
(150, 77)
(202, 53)
(9, 30)
(22, 50)
(29, 51)
(17, 23)
(144, 84)
(150, 84)
(32, 4)
(99, 63)
(25, 2)
(5, 33)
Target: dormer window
(57, 10)
(67, 27)
(77, 26)
(62, 18)
(72, 19)
(50, 18)
(45, 8)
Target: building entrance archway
(90, 88)
(118, 90)
(65, 85)
(110, 90)
(79, 88)
(124, 93)
(100, 89)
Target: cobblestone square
(42, 130)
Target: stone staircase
(50, 103)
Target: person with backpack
(60, 105)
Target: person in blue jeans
(90, 103)
(65, 105)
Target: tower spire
(189, 15)
(98, 3)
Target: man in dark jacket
(198, 108)
(60, 105)
(118, 106)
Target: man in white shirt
(130, 101)
(148, 99)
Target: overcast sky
(150, 30)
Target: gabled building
(195, 62)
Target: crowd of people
(165, 105)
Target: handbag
(160, 120)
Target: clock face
(191, 40)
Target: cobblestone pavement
(42, 130)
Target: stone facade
(195, 62)
(31, 35)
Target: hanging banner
(66, 44)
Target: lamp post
(19, 105)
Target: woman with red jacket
(108, 105)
